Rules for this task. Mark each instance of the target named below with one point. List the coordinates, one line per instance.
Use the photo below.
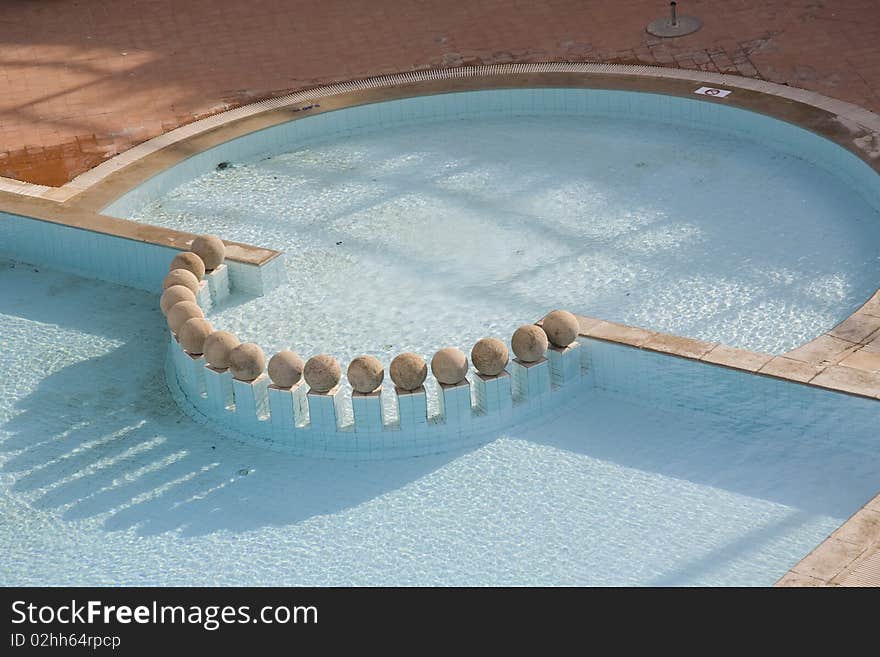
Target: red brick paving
(83, 80)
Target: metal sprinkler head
(674, 25)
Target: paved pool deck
(85, 81)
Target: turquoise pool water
(407, 233)
(651, 475)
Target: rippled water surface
(104, 481)
(421, 237)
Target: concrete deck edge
(77, 218)
(846, 112)
(832, 377)
(848, 557)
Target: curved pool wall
(347, 424)
(674, 110)
(333, 425)
(355, 427)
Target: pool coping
(850, 556)
(845, 359)
(829, 375)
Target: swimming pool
(654, 470)
(663, 472)
(437, 221)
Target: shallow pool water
(419, 237)
(104, 481)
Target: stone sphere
(285, 369)
(449, 366)
(247, 361)
(529, 343)
(217, 348)
(189, 261)
(175, 294)
(561, 327)
(210, 249)
(489, 356)
(322, 373)
(180, 312)
(365, 374)
(193, 334)
(408, 371)
(181, 277)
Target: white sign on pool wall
(712, 91)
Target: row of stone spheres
(246, 360)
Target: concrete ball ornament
(449, 366)
(561, 327)
(490, 356)
(189, 261)
(408, 371)
(175, 294)
(529, 343)
(180, 312)
(247, 361)
(217, 347)
(365, 374)
(210, 249)
(181, 277)
(286, 369)
(193, 334)
(322, 373)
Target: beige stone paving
(849, 557)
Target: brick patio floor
(83, 80)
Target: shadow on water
(88, 442)
(100, 437)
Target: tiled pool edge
(845, 358)
(107, 248)
(829, 376)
